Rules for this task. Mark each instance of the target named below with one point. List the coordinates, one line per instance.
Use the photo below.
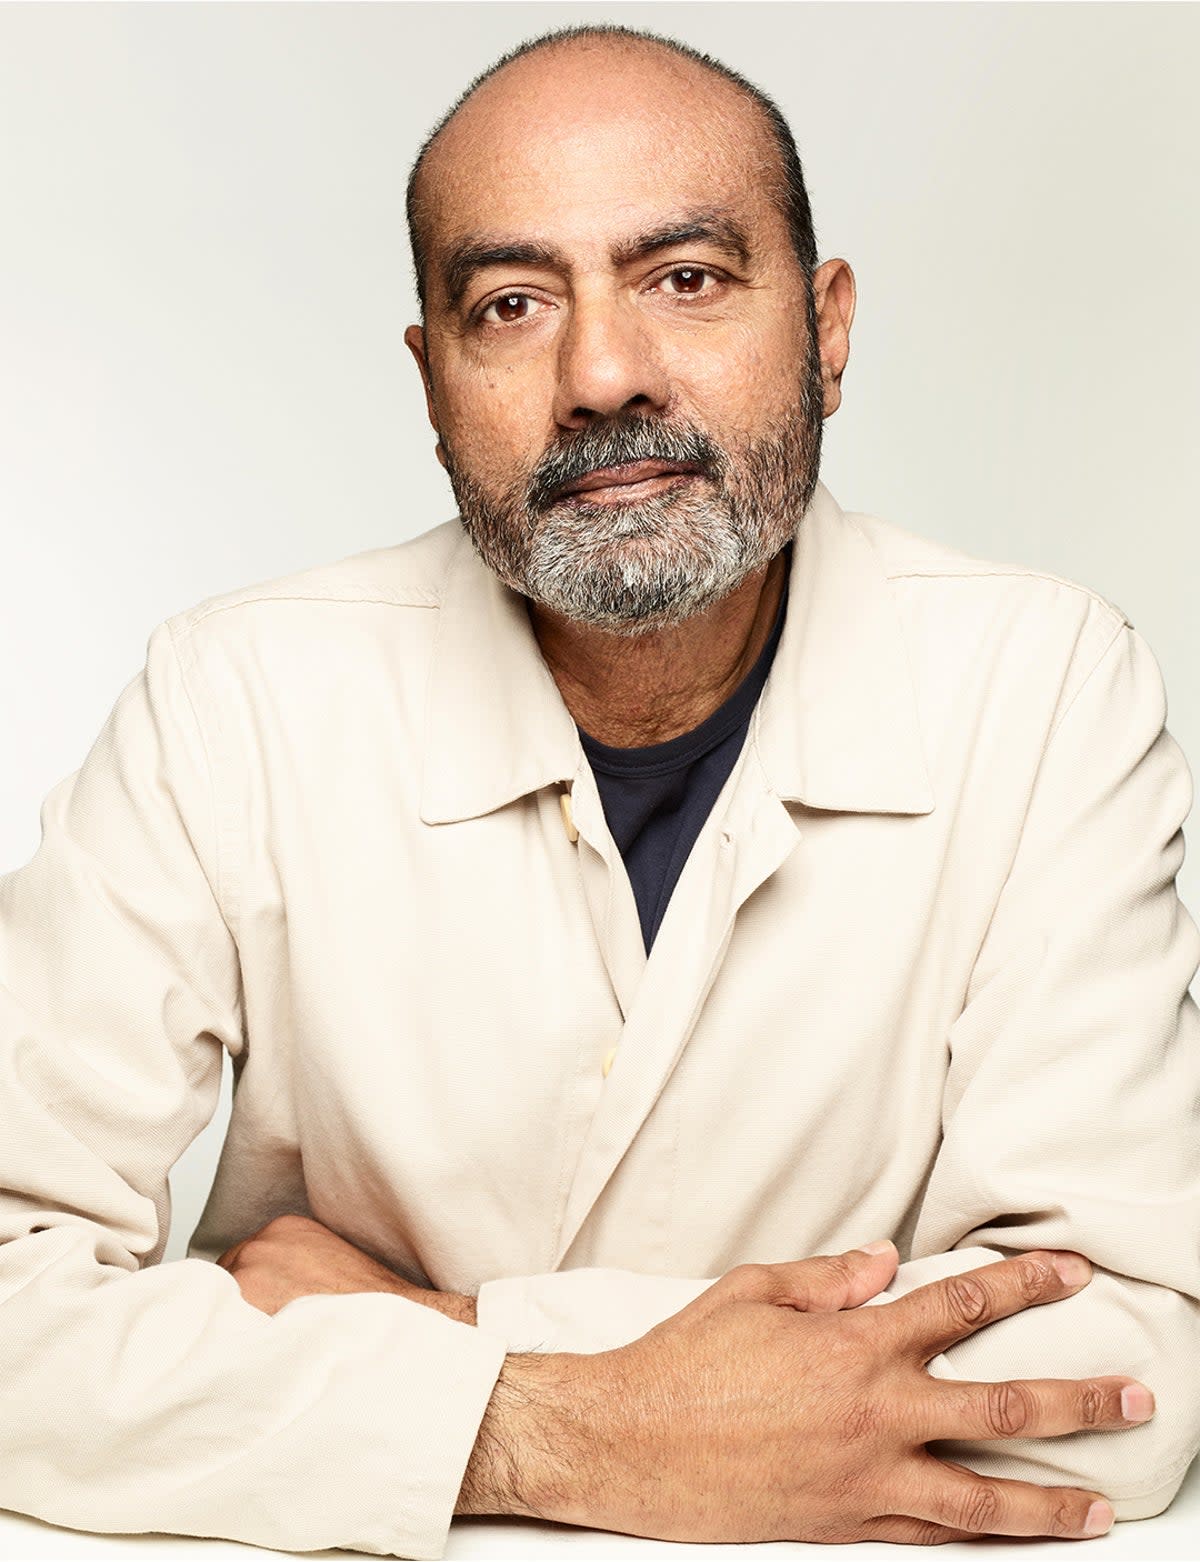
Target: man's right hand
(775, 1407)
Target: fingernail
(876, 1247)
(1137, 1402)
(1099, 1519)
(1072, 1268)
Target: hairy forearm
(451, 1303)
(1114, 1325)
(526, 1460)
(460, 1308)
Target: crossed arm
(145, 1395)
(1072, 1115)
(843, 1449)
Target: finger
(1024, 1407)
(909, 1531)
(826, 1282)
(935, 1316)
(866, 1275)
(952, 1495)
(829, 1282)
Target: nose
(607, 362)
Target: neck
(630, 691)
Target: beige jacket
(924, 975)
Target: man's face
(620, 346)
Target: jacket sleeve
(1071, 1114)
(141, 1396)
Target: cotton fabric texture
(924, 974)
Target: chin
(606, 606)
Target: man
(608, 900)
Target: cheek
(493, 419)
(743, 382)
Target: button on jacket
(924, 974)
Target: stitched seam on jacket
(218, 891)
(1025, 574)
(370, 597)
(1108, 645)
(964, 572)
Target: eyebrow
(711, 225)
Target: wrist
(529, 1450)
(460, 1308)
(452, 1304)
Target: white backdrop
(204, 281)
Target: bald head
(591, 89)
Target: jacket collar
(836, 726)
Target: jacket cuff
(444, 1372)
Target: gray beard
(634, 568)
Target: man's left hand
(294, 1255)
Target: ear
(834, 296)
(414, 340)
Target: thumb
(831, 1282)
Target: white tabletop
(1173, 1536)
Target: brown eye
(687, 279)
(508, 309)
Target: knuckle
(966, 1299)
(839, 1266)
(1008, 1408)
(977, 1507)
(1065, 1517)
(1033, 1276)
(748, 1279)
(1093, 1405)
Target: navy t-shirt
(656, 798)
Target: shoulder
(405, 575)
(970, 618)
(905, 556)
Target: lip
(628, 474)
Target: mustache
(615, 443)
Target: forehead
(583, 144)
